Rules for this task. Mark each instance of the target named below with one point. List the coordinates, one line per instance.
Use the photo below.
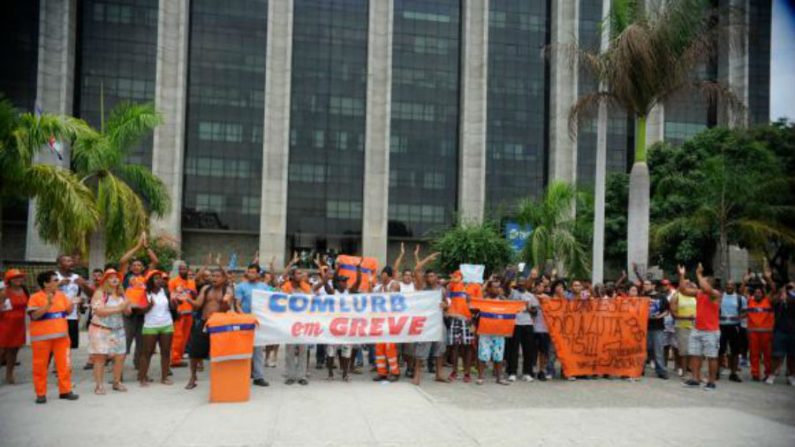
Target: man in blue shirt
(732, 310)
(243, 292)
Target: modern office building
(340, 125)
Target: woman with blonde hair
(106, 338)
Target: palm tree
(126, 194)
(651, 56)
(557, 235)
(65, 211)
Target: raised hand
(699, 269)
(681, 270)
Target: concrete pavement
(615, 413)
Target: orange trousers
(386, 352)
(181, 334)
(760, 344)
(59, 348)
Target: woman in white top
(158, 327)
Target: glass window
(424, 122)
(327, 124)
(117, 59)
(223, 139)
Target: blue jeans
(258, 363)
(655, 340)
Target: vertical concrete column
(472, 115)
(376, 140)
(54, 94)
(597, 264)
(733, 62)
(276, 134)
(171, 83)
(563, 90)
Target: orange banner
(595, 337)
(497, 317)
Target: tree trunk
(639, 202)
(723, 257)
(597, 261)
(96, 253)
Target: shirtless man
(429, 280)
(217, 296)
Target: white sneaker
(791, 380)
(679, 372)
(770, 380)
(529, 378)
(512, 378)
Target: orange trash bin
(231, 347)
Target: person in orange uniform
(761, 320)
(49, 335)
(461, 337)
(180, 286)
(12, 319)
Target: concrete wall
(276, 135)
(376, 143)
(54, 94)
(196, 246)
(170, 98)
(472, 128)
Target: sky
(782, 61)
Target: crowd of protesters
(745, 324)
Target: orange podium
(231, 346)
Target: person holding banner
(295, 355)
(523, 335)
(705, 336)
(385, 353)
(461, 336)
(495, 321)
(429, 280)
(243, 292)
(336, 284)
(217, 296)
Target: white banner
(361, 318)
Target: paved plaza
(650, 412)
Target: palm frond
(123, 213)
(65, 211)
(148, 186)
(33, 132)
(128, 123)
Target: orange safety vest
(497, 317)
(347, 267)
(136, 291)
(288, 287)
(458, 298)
(184, 307)
(52, 324)
(760, 315)
(231, 336)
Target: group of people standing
(135, 303)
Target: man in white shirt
(71, 284)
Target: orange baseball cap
(13, 274)
(152, 273)
(108, 273)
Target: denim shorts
(704, 343)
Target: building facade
(339, 125)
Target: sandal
(503, 382)
(119, 387)
(100, 391)
(166, 382)
(442, 380)
(479, 381)
(467, 378)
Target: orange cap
(108, 273)
(152, 273)
(456, 276)
(12, 274)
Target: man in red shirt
(704, 339)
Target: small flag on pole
(55, 147)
